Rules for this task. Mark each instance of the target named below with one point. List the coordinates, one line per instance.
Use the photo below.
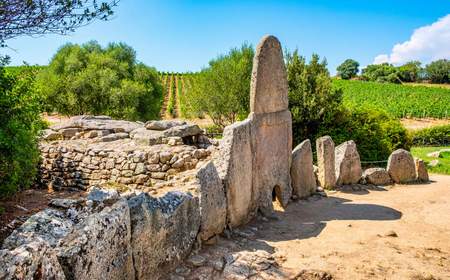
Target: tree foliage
(37, 17)
(20, 124)
(439, 71)
(222, 89)
(382, 73)
(89, 79)
(348, 69)
(312, 99)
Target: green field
(398, 100)
(443, 166)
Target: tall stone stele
(255, 154)
(271, 126)
(325, 162)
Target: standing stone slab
(99, 247)
(347, 164)
(271, 126)
(163, 232)
(421, 171)
(234, 165)
(302, 170)
(325, 162)
(213, 206)
(401, 166)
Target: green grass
(398, 100)
(444, 162)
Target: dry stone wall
(83, 161)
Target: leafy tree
(20, 124)
(37, 17)
(222, 89)
(312, 99)
(348, 69)
(410, 72)
(91, 79)
(383, 73)
(439, 71)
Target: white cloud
(427, 43)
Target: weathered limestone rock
(377, 176)
(271, 126)
(100, 247)
(183, 131)
(302, 170)
(35, 260)
(421, 171)
(163, 124)
(401, 166)
(213, 207)
(234, 164)
(51, 135)
(163, 231)
(347, 164)
(325, 162)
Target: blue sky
(183, 35)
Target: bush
(433, 136)
(89, 79)
(222, 89)
(382, 73)
(20, 124)
(312, 99)
(348, 69)
(317, 110)
(375, 133)
(439, 71)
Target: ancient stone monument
(347, 164)
(401, 166)
(256, 153)
(325, 162)
(271, 125)
(302, 170)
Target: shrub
(375, 133)
(20, 124)
(439, 71)
(317, 110)
(312, 99)
(348, 69)
(222, 89)
(89, 79)
(382, 73)
(433, 136)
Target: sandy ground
(402, 232)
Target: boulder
(213, 207)
(347, 164)
(302, 170)
(163, 231)
(163, 124)
(421, 171)
(183, 131)
(86, 122)
(325, 162)
(233, 164)
(401, 166)
(377, 176)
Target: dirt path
(416, 123)
(401, 232)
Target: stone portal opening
(277, 198)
